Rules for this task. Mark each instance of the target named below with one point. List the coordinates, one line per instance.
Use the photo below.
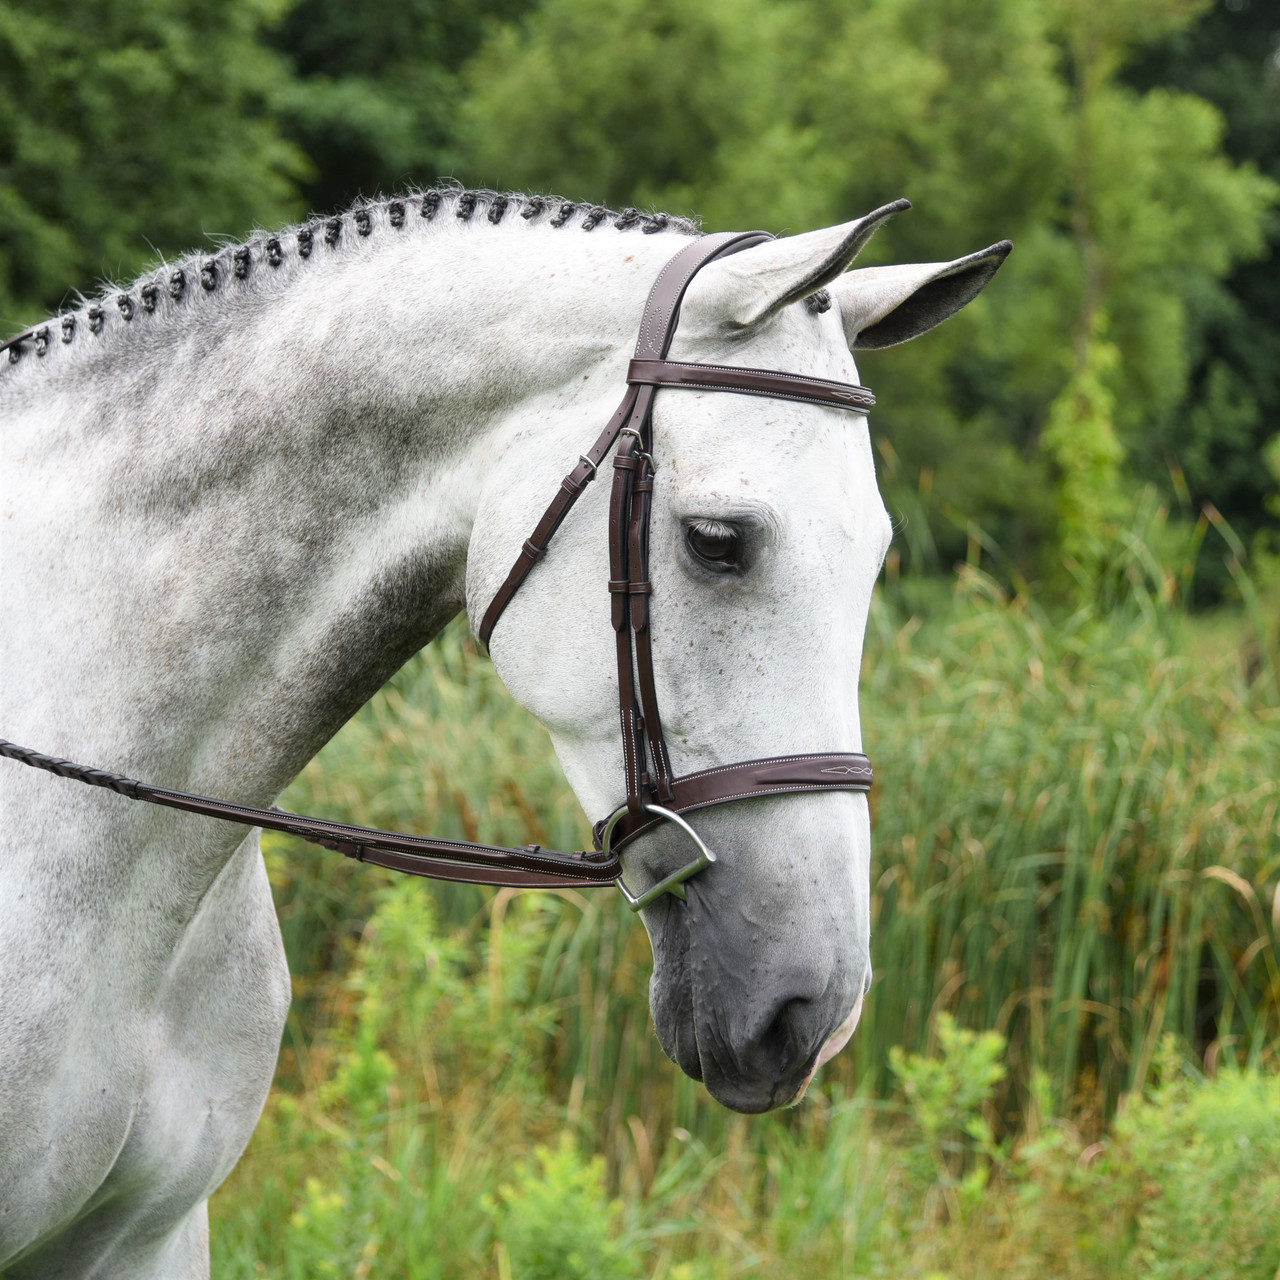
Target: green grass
(1077, 839)
(1077, 835)
(429, 1146)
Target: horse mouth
(782, 1078)
(754, 1053)
(830, 1047)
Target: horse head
(766, 537)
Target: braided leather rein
(653, 793)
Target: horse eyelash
(708, 528)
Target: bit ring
(672, 884)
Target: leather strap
(751, 382)
(527, 866)
(625, 462)
(657, 327)
(774, 776)
(571, 489)
(640, 589)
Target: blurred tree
(1219, 432)
(632, 101)
(998, 117)
(124, 129)
(376, 88)
(1158, 215)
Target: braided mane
(196, 274)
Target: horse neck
(231, 523)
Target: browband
(750, 382)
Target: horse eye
(716, 545)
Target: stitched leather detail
(758, 382)
(657, 326)
(773, 776)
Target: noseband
(653, 793)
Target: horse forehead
(796, 449)
(806, 466)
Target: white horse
(239, 493)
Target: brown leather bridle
(653, 793)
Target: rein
(653, 793)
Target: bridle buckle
(640, 452)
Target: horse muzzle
(752, 1020)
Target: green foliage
(555, 1223)
(1207, 1161)
(1271, 456)
(126, 129)
(633, 99)
(1121, 143)
(380, 1165)
(1068, 886)
(1007, 117)
(376, 89)
(1228, 58)
(1101, 874)
(437, 1043)
(1080, 437)
(945, 1100)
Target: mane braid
(233, 262)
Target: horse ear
(881, 306)
(745, 288)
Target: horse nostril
(783, 1043)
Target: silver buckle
(640, 453)
(674, 883)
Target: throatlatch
(653, 793)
